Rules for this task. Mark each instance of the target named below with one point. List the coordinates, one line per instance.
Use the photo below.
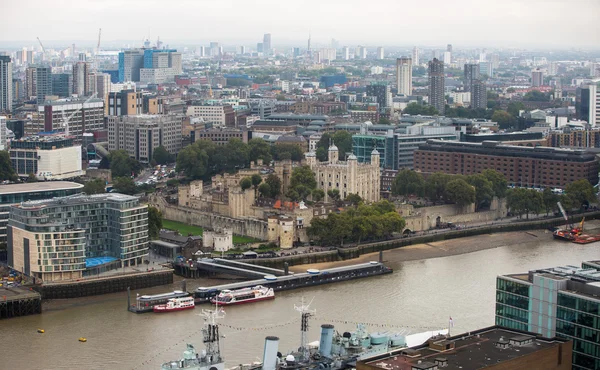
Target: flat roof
(32, 187)
(471, 351)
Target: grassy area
(185, 230)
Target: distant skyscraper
(202, 51)
(81, 78)
(39, 83)
(449, 47)
(495, 59)
(380, 53)
(260, 47)
(485, 68)
(404, 75)
(267, 43)
(537, 78)
(437, 85)
(478, 95)
(361, 52)
(242, 50)
(214, 49)
(346, 53)
(82, 57)
(6, 84)
(415, 56)
(471, 74)
(594, 70)
(447, 57)
(62, 84)
(130, 63)
(382, 93)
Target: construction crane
(97, 50)
(42, 45)
(210, 92)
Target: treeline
(461, 190)
(359, 223)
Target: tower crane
(42, 45)
(97, 50)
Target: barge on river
(309, 278)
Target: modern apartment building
(140, 135)
(404, 76)
(38, 83)
(537, 167)
(62, 84)
(478, 95)
(561, 302)
(55, 239)
(588, 102)
(48, 157)
(471, 74)
(382, 93)
(6, 84)
(18, 193)
(125, 103)
(437, 85)
(537, 78)
(130, 63)
(81, 78)
(72, 117)
(217, 115)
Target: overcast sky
(464, 23)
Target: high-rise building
(471, 74)
(267, 44)
(485, 68)
(214, 49)
(415, 56)
(39, 82)
(260, 47)
(449, 47)
(62, 84)
(495, 59)
(3, 133)
(70, 116)
(202, 51)
(81, 78)
(382, 93)
(80, 227)
(380, 53)
(141, 135)
(6, 84)
(125, 103)
(587, 106)
(557, 302)
(594, 70)
(437, 85)
(404, 76)
(478, 95)
(537, 78)
(100, 86)
(130, 63)
(346, 53)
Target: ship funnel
(270, 355)
(326, 340)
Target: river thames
(419, 295)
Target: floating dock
(194, 269)
(586, 238)
(19, 302)
(309, 278)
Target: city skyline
(292, 26)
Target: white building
(589, 106)
(157, 75)
(461, 97)
(3, 133)
(380, 53)
(218, 115)
(218, 240)
(51, 157)
(404, 76)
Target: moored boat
(564, 234)
(175, 304)
(245, 295)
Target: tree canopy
(7, 172)
(162, 156)
(460, 192)
(524, 201)
(581, 193)
(408, 182)
(121, 164)
(415, 109)
(124, 185)
(95, 186)
(154, 222)
(259, 149)
(246, 183)
(504, 119)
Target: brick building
(523, 166)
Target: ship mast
(211, 333)
(306, 314)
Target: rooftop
(76, 199)
(475, 350)
(32, 187)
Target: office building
(382, 93)
(537, 78)
(38, 83)
(534, 167)
(478, 95)
(380, 53)
(140, 135)
(130, 63)
(485, 68)
(495, 60)
(125, 103)
(587, 106)
(437, 85)
(491, 348)
(76, 231)
(217, 115)
(471, 74)
(349, 177)
(448, 54)
(346, 53)
(81, 78)
(404, 76)
(267, 44)
(6, 84)
(100, 87)
(415, 56)
(555, 302)
(3, 133)
(31, 191)
(62, 84)
(48, 157)
(220, 136)
(72, 117)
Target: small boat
(245, 295)
(82, 339)
(564, 234)
(41, 331)
(175, 304)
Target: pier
(223, 266)
(16, 302)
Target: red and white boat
(245, 295)
(175, 304)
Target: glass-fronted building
(559, 302)
(17, 193)
(58, 239)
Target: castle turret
(375, 157)
(311, 159)
(333, 154)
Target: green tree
(259, 149)
(581, 193)
(460, 192)
(435, 185)
(274, 183)
(549, 200)
(323, 147)
(384, 121)
(498, 180)
(95, 186)
(524, 201)
(264, 190)
(172, 182)
(284, 151)
(303, 175)
(355, 199)
(162, 156)
(193, 160)
(484, 191)
(535, 95)
(124, 185)
(318, 195)
(343, 140)
(246, 183)
(334, 194)
(7, 172)
(415, 109)
(514, 108)
(32, 178)
(408, 182)
(121, 164)
(504, 119)
(322, 154)
(256, 180)
(292, 194)
(154, 222)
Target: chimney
(326, 340)
(270, 355)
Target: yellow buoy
(41, 331)
(82, 339)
